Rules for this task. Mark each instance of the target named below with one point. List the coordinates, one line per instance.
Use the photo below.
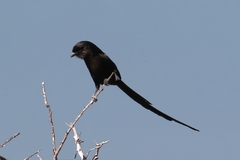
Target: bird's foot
(106, 82)
(94, 98)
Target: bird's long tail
(146, 104)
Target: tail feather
(146, 104)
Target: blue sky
(183, 56)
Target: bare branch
(44, 95)
(78, 142)
(39, 157)
(38, 151)
(14, 136)
(98, 146)
(90, 150)
(93, 99)
(50, 117)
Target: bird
(101, 67)
(2, 158)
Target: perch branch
(93, 99)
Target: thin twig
(39, 157)
(50, 117)
(98, 146)
(90, 150)
(32, 154)
(14, 136)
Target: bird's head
(85, 48)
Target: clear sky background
(183, 56)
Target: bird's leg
(116, 77)
(95, 91)
(105, 83)
(94, 97)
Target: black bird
(101, 67)
(2, 158)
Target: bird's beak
(73, 54)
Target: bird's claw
(94, 98)
(105, 82)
